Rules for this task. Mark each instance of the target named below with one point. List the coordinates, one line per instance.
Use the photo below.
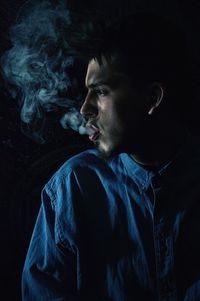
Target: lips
(92, 131)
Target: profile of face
(114, 108)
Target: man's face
(113, 108)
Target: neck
(160, 148)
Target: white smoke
(39, 66)
(73, 120)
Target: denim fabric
(112, 230)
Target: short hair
(145, 46)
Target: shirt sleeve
(50, 269)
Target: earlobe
(156, 97)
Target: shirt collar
(136, 171)
(143, 176)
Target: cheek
(118, 114)
(122, 117)
(111, 116)
(130, 114)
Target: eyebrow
(99, 83)
(111, 82)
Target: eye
(101, 92)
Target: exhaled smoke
(40, 68)
(74, 120)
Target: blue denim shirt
(112, 230)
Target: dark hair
(149, 42)
(145, 46)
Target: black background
(26, 165)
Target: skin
(129, 119)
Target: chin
(106, 151)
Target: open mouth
(94, 136)
(92, 132)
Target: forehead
(104, 72)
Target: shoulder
(84, 169)
(74, 168)
(88, 159)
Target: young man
(122, 221)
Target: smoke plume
(39, 68)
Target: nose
(89, 108)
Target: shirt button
(156, 181)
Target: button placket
(163, 244)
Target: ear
(155, 97)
